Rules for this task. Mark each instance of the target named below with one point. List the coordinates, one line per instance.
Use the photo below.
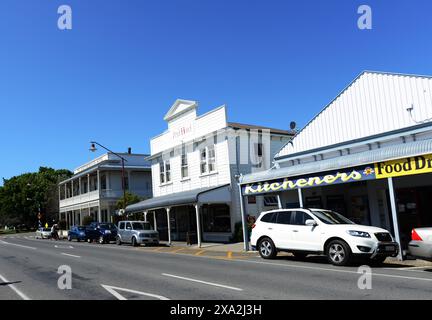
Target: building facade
(195, 163)
(367, 155)
(96, 186)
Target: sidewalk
(236, 249)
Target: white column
(169, 225)
(72, 189)
(198, 222)
(99, 213)
(88, 182)
(300, 196)
(154, 219)
(145, 216)
(80, 219)
(80, 186)
(279, 201)
(65, 187)
(243, 219)
(394, 215)
(98, 181)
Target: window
(284, 217)
(121, 225)
(128, 226)
(270, 201)
(259, 154)
(300, 218)
(103, 182)
(269, 217)
(216, 218)
(251, 199)
(208, 160)
(184, 166)
(164, 171)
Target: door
(305, 237)
(283, 230)
(128, 232)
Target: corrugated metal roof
(373, 103)
(383, 154)
(174, 199)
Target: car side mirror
(311, 223)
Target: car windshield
(331, 217)
(141, 226)
(106, 226)
(45, 229)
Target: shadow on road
(8, 283)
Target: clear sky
(116, 73)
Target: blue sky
(116, 73)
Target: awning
(398, 151)
(220, 194)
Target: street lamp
(93, 149)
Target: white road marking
(63, 247)
(203, 282)
(18, 292)
(70, 255)
(113, 291)
(335, 270)
(18, 245)
(413, 268)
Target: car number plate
(389, 248)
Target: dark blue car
(102, 232)
(78, 233)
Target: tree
(130, 199)
(21, 197)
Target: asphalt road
(29, 270)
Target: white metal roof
(374, 103)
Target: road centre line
(70, 255)
(18, 245)
(18, 292)
(203, 282)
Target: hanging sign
(362, 173)
(404, 167)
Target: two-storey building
(96, 186)
(195, 166)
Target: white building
(96, 186)
(375, 135)
(194, 167)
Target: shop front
(395, 194)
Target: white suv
(305, 231)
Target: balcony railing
(94, 195)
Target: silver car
(43, 233)
(136, 233)
(421, 244)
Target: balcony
(85, 197)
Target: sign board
(379, 170)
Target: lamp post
(93, 149)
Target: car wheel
(101, 240)
(118, 241)
(299, 255)
(338, 253)
(267, 249)
(134, 242)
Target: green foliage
(130, 199)
(22, 197)
(87, 220)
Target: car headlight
(107, 231)
(82, 233)
(356, 233)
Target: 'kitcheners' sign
(380, 170)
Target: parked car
(421, 244)
(103, 232)
(78, 233)
(43, 233)
(136, 233)
(319, 231)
